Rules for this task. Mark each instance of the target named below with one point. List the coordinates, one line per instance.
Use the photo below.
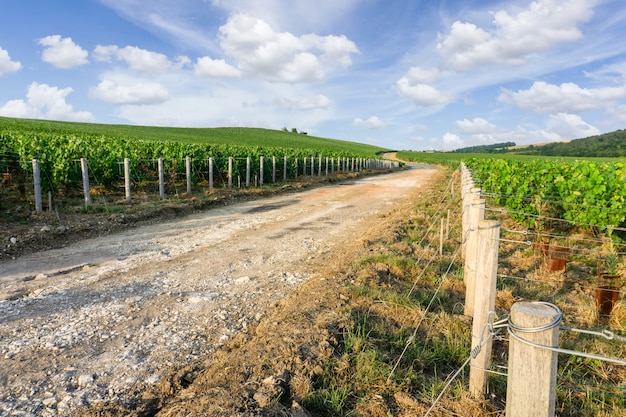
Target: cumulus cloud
(476, 126)
(570, 126)
(137, 59)
(371, 123)
(542, 26)
(62, 52)
(282, 56)
(207, 67)
(7, 66)
(45, 102)
(424, 95)
(306, 103)
(452, 141)
(142, 93)
(542, 97)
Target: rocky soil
(151, 318)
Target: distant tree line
(494, 148)
(612, 144)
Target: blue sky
(401, 74)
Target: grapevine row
(57, 153)
(583, 192)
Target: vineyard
(58, 146)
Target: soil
(228, 311)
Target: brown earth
(229, 311)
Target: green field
(230, 136)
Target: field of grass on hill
(231, 136)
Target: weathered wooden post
(273, 169)
(531, 382)
(86, 191)
(304, 166)
(485, 302)
(326, 166)
(319, 167)
(211, 173)
(161, 178)
(188, 173)
(312, 165)
(441, 237)
(476, 214)
(261, 170)
(230, 172)
(285, 168)
(37, 185)
(248, 170)
(127, 179)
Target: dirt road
(87, 323)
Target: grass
(385, 314)
(236, 136)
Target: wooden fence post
(531, 382)
(127, 179)
(161, 179)
(273, 169)
(230, 172)
(188, 174)
(248, 170)
(261, 170)
(85, 171)
(476, 213)
(37, 185)
(211, 173)
(485, 302)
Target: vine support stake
(211, 173)
(531, 382)
(161, 179)
(127, 178)
(230, 172)
(37, 185)
(485, 302)
(285, 168)
(248, 170)
(85, 171)
(261, 170)
(188, 174)
(273, 169)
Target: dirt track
(89, 323)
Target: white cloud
(371, 123)
(137, 59)
(140, 93)
(306, 103)
(423, 75)
(45, 102)
(564, 98)
(302, 15)
(207, 67)
(423, 95)
(282, 56)
(476, 126)
(570, 126)
(452, 141)
(7, 66)
(62, 52)
(542, 26)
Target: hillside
(231, 136)
(612, 144)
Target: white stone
(85, 380)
